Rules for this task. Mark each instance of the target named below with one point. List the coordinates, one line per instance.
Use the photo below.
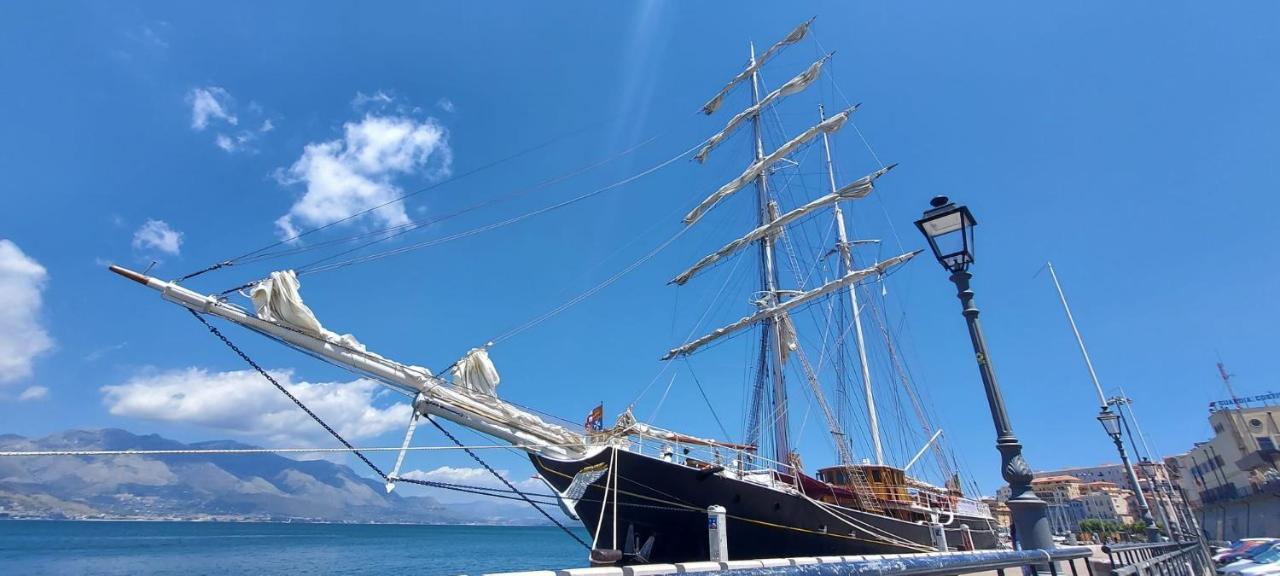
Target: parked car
(1264, 564)
(1239, 549)
(1259, 554)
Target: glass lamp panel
(1111, 422)
(950, 242)
(944, 224)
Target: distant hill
(203, 487)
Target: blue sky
(1133, 145)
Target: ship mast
(771, 349)
(773, 312)
(846, 266)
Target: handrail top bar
(1130, 546)
(923, 564)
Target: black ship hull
(661, 515)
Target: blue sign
(1225, 404)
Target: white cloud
(22, 334)
(241, 402)
(33, 393)
(210, 103)
(97, 354)
(157, 235)
(377, 99)
(243, 140)
(446, 105)
(153, 36)
(357, 172)
(472, 477)
(214, 107)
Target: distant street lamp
(1110, 420)
(949, 230)
(1172, 525)
(1111, 423)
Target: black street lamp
(1111, 423)
(949, 229)
(1172, 525)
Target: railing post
(939, 535)
(717, 533)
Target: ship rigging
(639, 488)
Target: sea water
(245, 548)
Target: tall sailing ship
(642, 492)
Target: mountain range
(252, 487)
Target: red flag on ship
(595, 418)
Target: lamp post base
(1029, 514)
(1027, 511)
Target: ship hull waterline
(667, 502)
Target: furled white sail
(277, 299)
(776, 310)
(793, 86)
(787, 330)
(856, 189)
(796, 35)
(281, 315)
(829, 125)
(475, 373)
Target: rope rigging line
(705, 313)
(401, 229)
(503, 479)
(392, 232)
(213, 330)
(591, 291)
(358, 453)
(432, 186)
(478, 490)
(312, 268)
(706, 399)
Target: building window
(1265, 443)
(1255, 423)
(1218, 428)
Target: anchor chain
(495, 473)
(213, 330)
(286, 392)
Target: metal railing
(1187, 558)
(1054, 562)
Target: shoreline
(259, 521)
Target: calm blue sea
(234, 549)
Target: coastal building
(1057, 488)
(1154, 480)
(1072, 499)
(999, 510)
(1059, 492)
(1232, 480)
(1107, 501)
